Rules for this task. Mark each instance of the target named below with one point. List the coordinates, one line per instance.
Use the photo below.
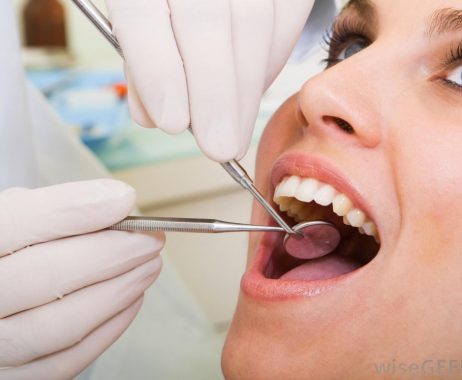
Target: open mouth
(302, 199)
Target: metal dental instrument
(154, 224)
(233, 168)
(317, 238)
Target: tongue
(323, 268)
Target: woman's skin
(402, 95)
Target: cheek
(282, 132)
(268, 152)
(429, 167)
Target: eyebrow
(445, 20)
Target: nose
(342, 100)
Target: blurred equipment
(45, 24)
(92, 102)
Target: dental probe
(233, 168)
(313, 239)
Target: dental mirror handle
(153, 224)
(317, 238)
(233, 168)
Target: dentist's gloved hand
(68, 292)
(207, 62)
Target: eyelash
(347, 30)
(336, 39)
(454, 56)
(453, 60)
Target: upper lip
(304, 165)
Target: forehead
(424, 5)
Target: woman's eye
(455, 77)
(354, 47)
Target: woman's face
(383, 127)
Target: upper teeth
(294, 192)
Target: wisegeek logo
(429, 367)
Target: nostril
(342, 124)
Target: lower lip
(255, 285)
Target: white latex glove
(67, 292)
(207, 62)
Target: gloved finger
(61, 324)
(135, 105)
(290, 18)
(45, 272)
(144, 31)
(252, 36)
(69, 363)
(13, 190)
(49, 213)
(203, 32)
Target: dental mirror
(309, 240)
(312, 240)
